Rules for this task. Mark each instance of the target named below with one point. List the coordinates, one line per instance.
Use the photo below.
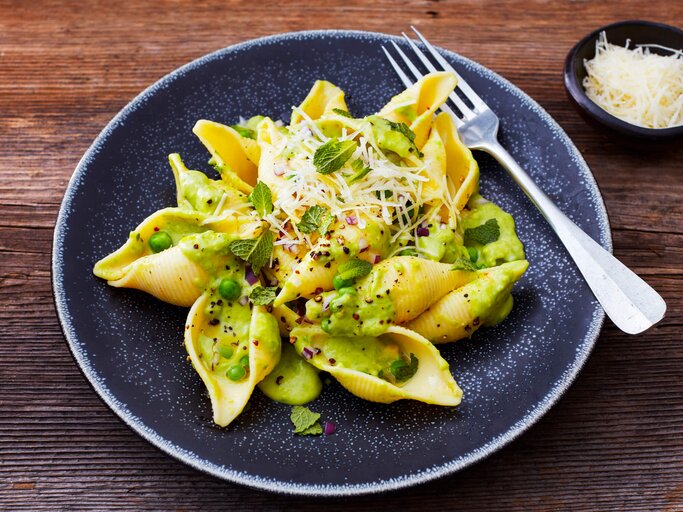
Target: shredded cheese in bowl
(636, 85)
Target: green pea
(397, 366)
(474, 253)
(160, 241)
(325, 325)
(236, 372)
(226, 352)
(339, 283)
(244, 361)
(347, 290)
(229, 289)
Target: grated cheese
(635, 85)
(363, 199)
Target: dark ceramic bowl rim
(578, 93)
(255, 481)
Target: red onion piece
(326, 302)
(307, 353)
(351, 220)
(249, 275)
(278, 171)
(363, 245)
(243, 300)
(330, 428)
(422, 232)
(378, 258)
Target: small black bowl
(638, 32)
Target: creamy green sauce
(442, 244)
(367, 354)
(200, 193)
(389, 139)
(507, 248)
(293, 381)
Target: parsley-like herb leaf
(256, 251)
(343, 113)
(403, 371)
(484, 234)
(316, 217)
(244, 132)
(262, 199)
(261, 296)
(332, 155)
(305, 421)
(354, 268)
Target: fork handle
(629, 302)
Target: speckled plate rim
(273, 485)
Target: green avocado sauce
(389, 139)
(443, 243)
(224, 345)
(200, 193)
(507, 248)
(366, 354)
(293, 381)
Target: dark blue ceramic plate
(129, 345)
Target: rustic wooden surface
(614, 442)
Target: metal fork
(629, 301)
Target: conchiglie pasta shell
(461, 167)
(114, 266)
(435, 165)
(230, 149)
(413, 283)
(308, 278)
(432, 383)
(228, 397)
(417, 104)
(463, 311)
(323, 98)
(169, 276)
(193, 188)
(312, 274)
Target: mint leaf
(360, 170)
(353, 269)
(403, 129)
(342, 113)
(484, 234)
(402, 371)
(314, 430)
(261, 296)
(305, 419)
(316, 217)
(244, 132)
(262, 199)
(256, 251)
(332, 155)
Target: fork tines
(465, 111)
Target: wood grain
(614, 442)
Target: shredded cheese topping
(391, 194)
(635, 85)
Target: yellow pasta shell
(463, 311)
(414, 283)
(323, 98)
(461, 167)
(228, 397)
(230, 149)
(169, 276)
(432, 383)
(114, 266)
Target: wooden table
(614, 442)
